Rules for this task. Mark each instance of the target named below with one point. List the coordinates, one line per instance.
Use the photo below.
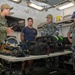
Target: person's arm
(8, 30)
(22, 36)
(36, 35)
(56, 31)
(43, 30)
(4, 28)
(69, 38)
(69, 33)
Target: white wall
(68, 11)
(19, 11)
(38, 16)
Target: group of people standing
(29, 33)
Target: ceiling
(50, 2)
(53, 2)
(47, 4)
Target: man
(4, 30)
(72, 40)
(49, 28)
(28, 34)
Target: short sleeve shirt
(29, 33)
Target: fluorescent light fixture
(35, 6)
(66, 6)
(16, 1)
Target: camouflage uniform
(3, 26)
(3, 23)
(49, 29)
(72, 31)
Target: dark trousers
(73, 56)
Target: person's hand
(9, 31)
(70, 40)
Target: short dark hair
(30, 19)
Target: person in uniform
(4, 30)
(72, 40)
(28, 33)
(49, 28)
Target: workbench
(32, 57)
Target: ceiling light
(66, 6)
(17, 1)
(36, 6)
